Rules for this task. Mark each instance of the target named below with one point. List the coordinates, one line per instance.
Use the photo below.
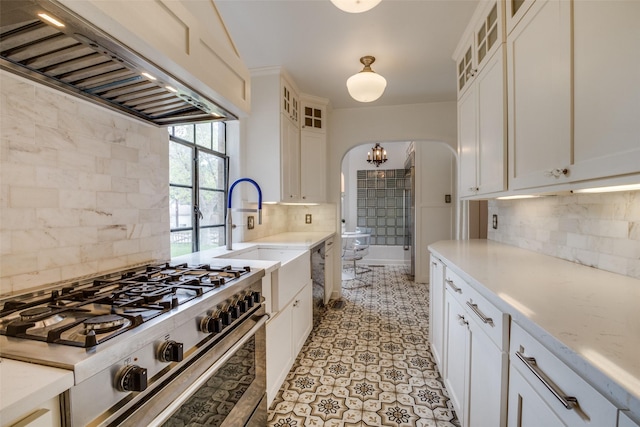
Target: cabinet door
(314, 117)
(539, 88)
(526, 407)
(302, 317)
(467, 143)
(491, 117)
(313, 166)
(436, 315)
(515, 10)
(465, 66)
(606, 92)
(487, 380)
(290, 157)
(457, 356)
(279, 351)
(489, 34)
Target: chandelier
(377, 155)
(367, 85)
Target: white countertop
(294, 240)
(24, 386)
(589, 318)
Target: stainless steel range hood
(82, 60)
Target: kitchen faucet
(229, 219)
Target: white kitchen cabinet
(482, 38)
(625, 421)
(487, 378)
(290, 157)
(272, 138)
(290, 101)
(436, 311)
(286, 333)
(284, 160)
(456, 366)
(46, 414)
(544, 391)
(313, 149)
(515, 10)
(481, 132)
(606, 66)
(476, 358)
(539, 96)
(279, 347)
(302, 317)
(482, 103)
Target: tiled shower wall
(598, 230)
(83, 190)
(380, 204)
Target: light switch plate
(307, 219)
(250, 222)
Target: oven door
(225, 386)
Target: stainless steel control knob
(170, 351)
(131, 378)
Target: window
(197, 186)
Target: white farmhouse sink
(288, 280)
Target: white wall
(83, 189)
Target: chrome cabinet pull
(476, 310)
(568, 402)
(454, 287)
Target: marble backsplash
(598, 230)
(284, 218)
(83, 190)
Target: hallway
(368, 362)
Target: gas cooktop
(90, 313)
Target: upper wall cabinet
(482, 38)
(289, 163)
(482, 104)
(313, 149)
(573, 113)
(186, 38)
(539, 96)
(606, 55)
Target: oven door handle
(166, 413)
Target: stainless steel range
(156, 345)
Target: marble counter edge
(25, 385)
(608, 386)
(294, 240)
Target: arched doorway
(383, 198)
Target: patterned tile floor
(368, 363)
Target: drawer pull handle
(568, 402)
(485, 319)
(454, 287)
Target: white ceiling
(320, 46)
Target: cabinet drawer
(457, 286)
(557, 384)
(492, 321)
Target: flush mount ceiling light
(377, 155)
(355, 6)
(367, 85)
